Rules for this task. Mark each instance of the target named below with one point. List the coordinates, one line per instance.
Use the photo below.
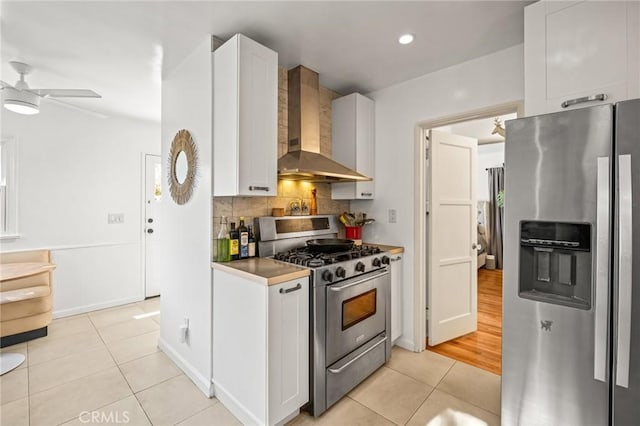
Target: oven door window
(358, 308)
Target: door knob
(150, 220)
(149, 231)
(476, 246)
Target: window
(358, 308)
(157, 179)
(8, 190)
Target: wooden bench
(25, 295)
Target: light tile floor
(418, 389)
(107, 364)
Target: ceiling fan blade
(66, 93)
(77, 108)
(3, 84)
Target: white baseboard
(405, 343)
(203, 383)
(236, 408)
(96, 306)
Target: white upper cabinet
(245, 119)
(576, 51)
(354, 144)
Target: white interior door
(152, 196)
(452, 237)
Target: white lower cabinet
(288, 348)
(261, 347)
(396, 297)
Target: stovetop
(304, 257)
(330, 268)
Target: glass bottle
(244, 239)
(252, 243)
(223, 254)
(234, 242)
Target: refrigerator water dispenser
(555, 263)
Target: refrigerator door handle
(602, 271)
(625, 265)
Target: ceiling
(120, 49)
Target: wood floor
(483, 347)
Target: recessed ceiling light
(405, 38)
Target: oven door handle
(354, 283)
(341, 369)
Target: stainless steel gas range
(350, 303)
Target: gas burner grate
(302, 256)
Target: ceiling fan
(24, 100)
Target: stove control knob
(327, 276)
(376, 263)
(340, 272)
(359, 267)
(386, 260)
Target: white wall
(487, 81)
(185, 245)
(491, 155)
(74, 169)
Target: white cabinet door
(245, 119)
(261, 347)
(576, 50)
(396, 297)
(353, 144)
(288, 348)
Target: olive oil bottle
(234, 242)
(244, 239)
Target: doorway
(478, 344)
(152, 197)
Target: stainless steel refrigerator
(571, 307)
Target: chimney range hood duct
(303, 160)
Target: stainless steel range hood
(303, 160)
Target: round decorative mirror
(182, 167)
(183, 162)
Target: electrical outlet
(184, 331)
(393, 216)
(115, 218)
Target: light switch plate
(115, 218)
(393, 216)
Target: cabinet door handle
(395, 259)
(289, 290)
(259, 188)
(366, 194)
(592, 98)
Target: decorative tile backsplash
(288, 191)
